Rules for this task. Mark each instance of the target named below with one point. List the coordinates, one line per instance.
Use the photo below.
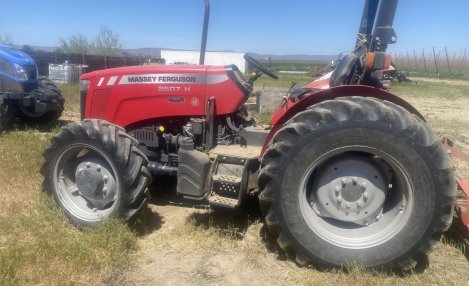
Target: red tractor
(350, 173)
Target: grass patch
(428, 89)
(71, 93)
(284, 81)
(40, 247)
(264, 117)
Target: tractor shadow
(147, 222)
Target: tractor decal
(163, 78)
(169, 78)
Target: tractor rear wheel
(94, 170)
(357, 180)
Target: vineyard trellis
(434, 61)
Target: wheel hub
(350, 188)
(95, 183)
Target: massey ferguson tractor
(345, 172)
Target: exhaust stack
(204, 33)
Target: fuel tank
(128, 95)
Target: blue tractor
(23, 94)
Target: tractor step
(226, 185)
(227, 181)
(220, 201)
(225, 190)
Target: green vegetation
(40, 247)
(284, 81)
(450, 90)
(106, 43)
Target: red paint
(126, 104)
(462, 205)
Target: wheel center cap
(350, 188)
(352, 193)
(89, 181)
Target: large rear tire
(94, 171)
(357, 180)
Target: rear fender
(281, 116)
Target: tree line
(105, 43)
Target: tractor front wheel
(52, 95)
(357, 180)
(94, 170)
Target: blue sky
(274, 27)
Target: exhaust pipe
(204, 33)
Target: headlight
(21, 72)
(84, 84)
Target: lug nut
(98, 168)
(354, 180)
(347, 205)
(88, 165)
(337, 191)
(344, 182)
(363, 185)
(359, 204)
(105, 177)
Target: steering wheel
(260, 67)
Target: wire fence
(433, 61)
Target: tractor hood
(15, 56)
(129, 95)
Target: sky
(325, 27)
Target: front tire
(357, 180)
(94, 171)
(53, 96)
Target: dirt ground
(192, 246)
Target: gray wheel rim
(77, 197)
(396, 209)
